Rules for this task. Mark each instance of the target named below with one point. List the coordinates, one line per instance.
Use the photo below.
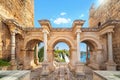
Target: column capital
(109, 33)
(45, 31)
(78, 31)
(13, 32)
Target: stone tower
(108, 11)
(21, 11)
(91, 13)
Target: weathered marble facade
(108, 10)
(22, 11)
(18, 38)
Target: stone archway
(71, 36)
(66, 40)
(19, 40)
(30, 55)
(95, 50)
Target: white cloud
(63, 13)
(82, 15)
(62, 20)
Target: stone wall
(116, 45)
(109, 9)
(5, 42)
(20, 10)
(106, 11)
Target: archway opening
(61, 52)
(85, 54)
(88, 51)
(34, 53)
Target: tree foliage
(41, 54)
(60, 55)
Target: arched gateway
(99, 41)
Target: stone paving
(107, 75)
(61, 73)
(15, 75)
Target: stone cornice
(108, 23)
(45, 24)
(77, 24)
(12, 22)
(33, 29)
(106, 30)
(89, 29)
(61, 29)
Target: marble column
(79, 65)
(13, 48)
(110, 65)
(110, 51)
(78, 46)
(45, 45)
(45, 64)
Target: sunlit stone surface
(106, 75)
(61, 73)
(15, 75)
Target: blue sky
(62, 13)
(63, 46)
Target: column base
(45, 69)
(79, 70)
(111, 65)
(51, 67)
(36, 62)
(71, 67)
(13, 65)
(95, 66)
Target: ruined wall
(20, 10)
(5, 42)
(116, 45)
(109, 9)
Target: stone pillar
(51, 58)
(110, 51)
(87, 52)
(23, 51)
(99, 57)
(110, 65)
(36, 55)
(13, 62)
(79, 66)
(78, 46)
(73, 58)
(45, 45)
(45, 64)
(32, 63)
(91, 56)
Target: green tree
(59, 53)
(41, 54)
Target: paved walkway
(61, 73)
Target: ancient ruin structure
(18, 37)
